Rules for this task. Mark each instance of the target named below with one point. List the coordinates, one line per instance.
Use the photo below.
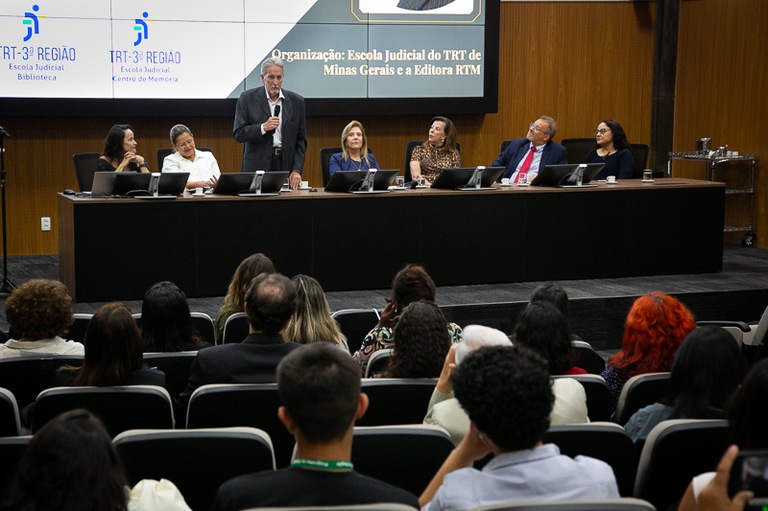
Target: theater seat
(640, 391)
(355, 325)
(120, 408)
(404, 456)
(396, 400)
(378, 362)
(250, 404)
(606, 441)
(9, 414)
(197, 461)
(85, 168)
(675, 452)
(235, 328)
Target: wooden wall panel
(721, 86)
(578, 62)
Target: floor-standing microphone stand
(7, 286)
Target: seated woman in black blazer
(613, 150)
(120, 151)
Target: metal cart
(712, 162)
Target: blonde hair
(363, 148)
(312, 321)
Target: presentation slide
(367, 52)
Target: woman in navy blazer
(354, 153)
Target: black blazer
(251, 111)
(252, 361)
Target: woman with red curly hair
(655, 327)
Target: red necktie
(526, 165)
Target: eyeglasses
(188, 143)
(602, 131)
(536, 127)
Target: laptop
(232, 183)
(103, 182)
(566, 175)
(458, 178)
(120, 184)
(351, 180)
(271, 183)
(167, 185)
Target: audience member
(410, 284)
(312, 321)
(613, 150)
(438, 152)
(202, 165)
(320, 390)
(234, 301)
(444, 409)
(715, 496)
(166, 323)
(354, 153)
(272, 124)
(747, 416)
(706, 371)
(524, 157)
(120, 151)
(71, 465)
(543, 329)
(506, 392)
(39, 312)
(421, 342)
(655, 327)
(113, 352)
(269, 303)
(553, 293)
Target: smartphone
(750, 472)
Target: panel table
(115, 249)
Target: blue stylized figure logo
(32, 23)
(142, 28)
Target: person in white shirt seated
(444, 410)
(39, 313)
(507, 394)
(202, 165)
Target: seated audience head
(166, 323)
(70, 464)
(270, 302)
(655, 327)
(113, 347)
(319, 387)
(610, 133)
(312, 321)
(477, 336)
(706, 371)
(552, 292)
(39, 309)
(422, 341)
(248, 269)
(507, 394)
(411, 284)
(442, 134)
(354, 141)
(544, 330)
(746, 411)
(119, 140)
(183, 141)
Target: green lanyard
(315, 464)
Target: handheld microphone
(276, 114)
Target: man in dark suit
(320, 392)
(269, 304)
(272, 124)
(525, 156)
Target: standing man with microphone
(272, 124)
